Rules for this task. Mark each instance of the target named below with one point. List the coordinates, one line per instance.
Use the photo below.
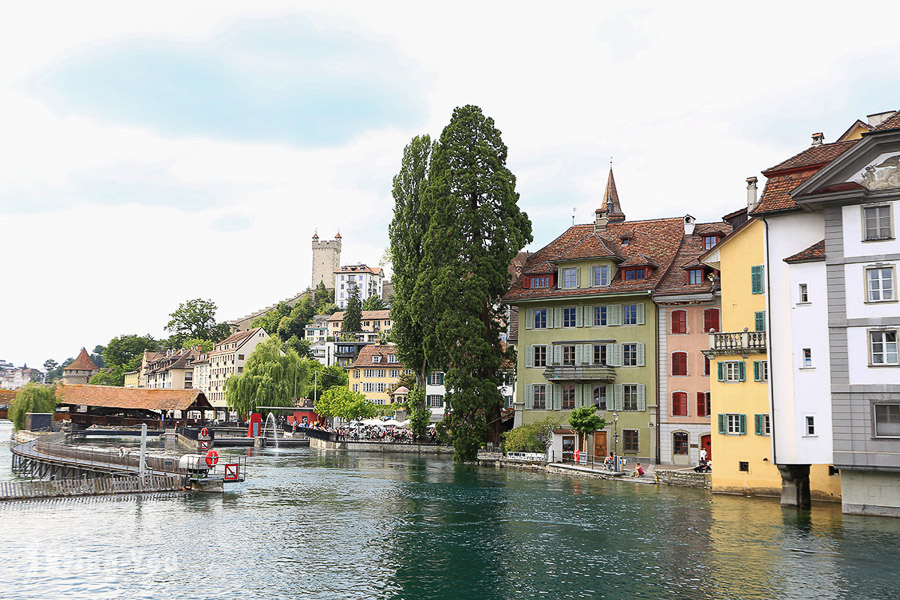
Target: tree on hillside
(270, 320)
(122, 354)
(327, 378)
(204, 345)
(31, 398)
(374, 303)
(196, 319)
(97, 356)
(270, 377)
(353, 314)
(300, 346)
(475, 230)
(585, 422)
(50, 365)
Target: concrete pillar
(795, 485)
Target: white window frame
(886, 352)
(534, 358)
(807, 359)
(565, 312)
(626, 352)
(733, 424)
(539, 387)
(890, 223)
(875, 419)
(603, 271)
(568, 275)
(625, 310)
(767, 424)
(732, 371)
(601, 313)
(809, 426)
(880, 290)
(803, 293)
(546, 312)
(630, 392)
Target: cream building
(228, 358)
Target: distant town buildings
(228, 358)
(369, 281)
(80, 370)
(12, 377)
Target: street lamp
(616, 438)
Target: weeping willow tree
(273, 376)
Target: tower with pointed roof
(326, 259)
(80, 370)
(610, 210)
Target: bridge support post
(795, 486)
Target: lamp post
(616, 438)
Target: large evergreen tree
(474, 231)
(353, 314)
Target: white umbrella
(372, 422)
(403, 423)
(390, 423)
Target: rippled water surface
(312, 524)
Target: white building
(369, 281)
(228, 358)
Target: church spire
(611, 207)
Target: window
(539, 398)
(436, 378)
(570, 278)
(763, 425)
(600, 313)
(601, 275)
(705, 366)
(810, 427)
(877, 222)
(679, 364)
(883, 347)
(732, 424)
(679, 321)
(731, 371)
(568, 355)
(540, 356)
(880, 284)
(631, 441)
(761, 370)
(376, 359)
(394, 373)
(680, 443)
(630, 314)
(435, 401)
(569, 317)
(630, 396)
(540, 318)
(759, 320)
(568, 397)
(756, 279)
(679, 404)
(702, 404)
(804, 293)
(807, 358)
(887, 420)
(695, 276)
(629, 355)
(240, 357)
(710, 320)
(599, 354)
(600, 397)
(743, 466)
(710, 241)
(541, 281)
(634, 274)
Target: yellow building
(739, 391)
(374, 371)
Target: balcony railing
(580, 373)
(737, 342)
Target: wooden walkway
(98, 486)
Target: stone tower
(326, 259)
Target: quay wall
(350, 446)
(684, 478)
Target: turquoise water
(312, 524)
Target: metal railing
(111, 460)
(580, 373)
(57, 488)
(737, 342)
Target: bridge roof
(131, 398)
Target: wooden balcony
(580, 373)
(737, 342)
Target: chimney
(818, 138)
(600, 220)
(751, 193)
(689, 225)
(879, 118)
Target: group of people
(612, 463)
(704, 465)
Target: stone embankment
(684, 478)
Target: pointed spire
(611, 207)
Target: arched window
(680, 442)
(679, 363)
(679, 404)
(679, 321)
(711, 320)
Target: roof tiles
(130, 398)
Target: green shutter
(641, 397)
(529, 396)
(757, 423)
(721, 368)
(756, 371)
(557, 317)
(529, 357)
(441, 378)
(721, 423)
(756, 279)
(557, 396)
(579, 395)
(579, 354)
(741, 371)
(557, 354)
(640, 313)
(640, 355)
(614, 314)
(587, 354)
(578, 277)
(579, 316)
(529, 318)
(760, 318)
(743, 420)
(614, 355)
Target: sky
(151, 153)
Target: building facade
(373, 321)
(228, 358)
(173, 370)
(368, 280)
(80, 370)
(326, 259)
(375, 370)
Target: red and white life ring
(204, 432)
(212, 458)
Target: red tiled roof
(368, 352)
(82, 363)
(776, 194)
(371, 315)
(7, 396)
(892, 122)
(692, 247)
(818, 156)
(130, 398)
(814, 253)
(239, 337)
(593, 246)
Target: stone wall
(380, 447)
(684, 478)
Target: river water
(315, 524)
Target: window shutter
(579, 395)
(578, 277)
(579, 354)
(557, 396)
(640, 355)
(701, 401)
(529, 318)
(529, 396)
(757, 371)
(743, 420)
(640, 313)
(579, 316)
(559, 278)
(756, 279)
(614, 355)
(760, 323)
(557, 317)
(529, 356)
(721, 423)
(618, 396)
(721, 367)
(757, 424)
(614, 314)
(741, 371)
(557, 354)
(441, 378)
(641, 397)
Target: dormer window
(540, 281)
(569, 277)
(709, 241)
(694, 276)
(634, 274)
(376, 359)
